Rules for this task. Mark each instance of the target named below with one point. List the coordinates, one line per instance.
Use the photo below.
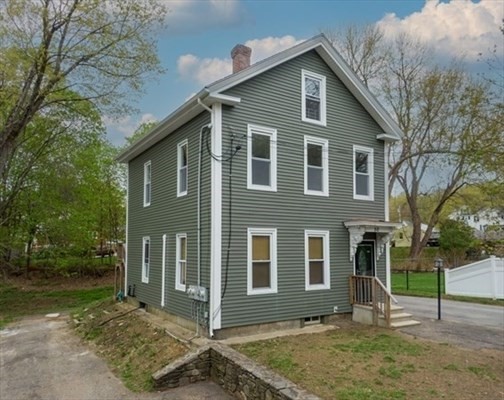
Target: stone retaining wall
(234, 372)
(190, 368)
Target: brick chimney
(241, 57)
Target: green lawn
(416, 283)
(360, 362)
(424, 284)
(15, 302)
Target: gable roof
(213, 93)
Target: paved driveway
(463, 324)
(455, 311)
(41, 358)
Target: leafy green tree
(452, 123)
(455, 239)
(140, 132)
(76, 205)
(57, 54)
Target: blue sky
(194, 48)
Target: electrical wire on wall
(233, 150)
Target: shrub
(454, 240)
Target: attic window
(313, 98)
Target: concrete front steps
(398, 318)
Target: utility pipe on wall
(200, 151)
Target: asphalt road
(463, 324)
(41, 358)
(455, 311)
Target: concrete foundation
(176, 319)
(247, 330)
(237, 331)
(362, 314)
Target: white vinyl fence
(480, 279)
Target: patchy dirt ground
(361, 362)
(354, 362)
(351, 363)
(133, 348)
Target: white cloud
(148, 117)
(193, 16)
(207, 70)
(203, 71)
(263, 48)
(457, 28)
(120, 128)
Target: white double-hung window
(316, 166)
(262, 264)
(147, 183)
(313, 91)
(317, 275)
(182, 163)
(145, 259)
(261, 158)
(181, 267)
(363, 173)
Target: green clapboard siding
(273, 99)
(168, 215)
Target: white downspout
(216, 224)
(387, 217)
(200, 150)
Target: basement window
(312, 320)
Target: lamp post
(438, 263)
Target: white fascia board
(387, 137)
(191, 108)
(176, 119)
(264, 65)
(373, 226)
(339, 67)
(214, 97)
(357, 88)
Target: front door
(365, 259)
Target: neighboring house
(487, 223)
(256, 200)
(402, 236)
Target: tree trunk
(416, 239)
(29, 247)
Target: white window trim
(272, 133)
(369, 151)
(145, 268)
(322, 79)
(272, 233)
(178, 285)
(325, 165)
(147, 165)
(327, 274)
(181, 193)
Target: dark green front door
(365, 259)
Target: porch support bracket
(356, 236)
(382, 229)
